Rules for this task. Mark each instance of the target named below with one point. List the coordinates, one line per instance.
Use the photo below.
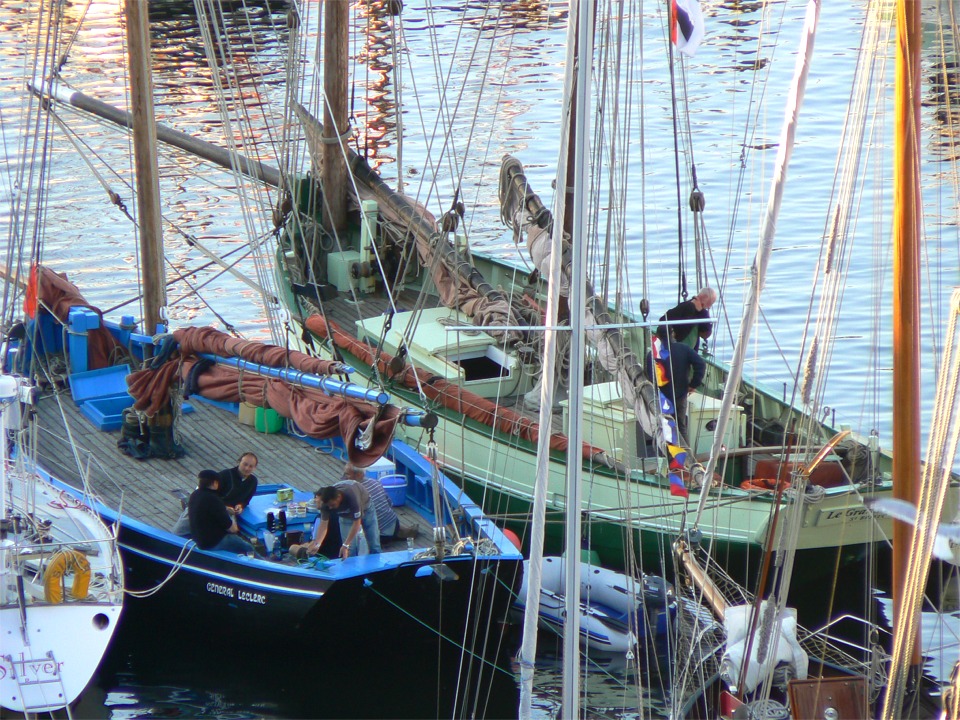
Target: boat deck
(345, 312)
(149, 490)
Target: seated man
(238, 484)
(212, 526)
(387, 518)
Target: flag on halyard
(677, 488)
(686, 25)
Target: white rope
(253, 197)
(177, 565)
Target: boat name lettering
(252, 597)
(853, 513)
(219, 589)
(34, 670)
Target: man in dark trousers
(212, 526)
(684, 374)
(237, 486)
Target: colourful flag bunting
(677, 488)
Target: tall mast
(336, 39)
(906, 286)
(145, 160)
(562, 226)
(580, 133)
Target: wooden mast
(906, 287)
(145, 159)
(335, 122)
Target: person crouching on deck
(355, 511)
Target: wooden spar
(417, 225)
(145, 157)
(195, 146)
(906, 288)
(336, 41)
(698, 578)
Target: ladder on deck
(34, 694)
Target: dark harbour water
(179, 672)
(162, 672)
(182, 673)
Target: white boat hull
(61, 580)
(49, 666)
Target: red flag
(30, 299)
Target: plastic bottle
(362, 544)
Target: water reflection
(377, 110)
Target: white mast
(758, 274)
(528, 649)
(579, 238)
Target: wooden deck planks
(212, 439)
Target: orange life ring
(62, 562)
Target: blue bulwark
(79, 322)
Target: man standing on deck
(696, 308)
(685, 370)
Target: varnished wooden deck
(212, 438)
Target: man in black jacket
(212, 526)
(239, 484)
(696, 308)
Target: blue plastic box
(102, 396)
(106, 413)
(396, 488)
(103, 383)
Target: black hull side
(444, 651)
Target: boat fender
(62, 562)
(512, 537)
(765, 484)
